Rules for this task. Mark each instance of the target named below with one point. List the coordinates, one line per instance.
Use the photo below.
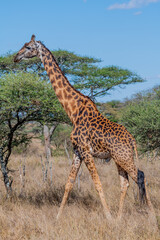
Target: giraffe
(93, 135)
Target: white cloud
(131, 4)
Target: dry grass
(32, 215)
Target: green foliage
(25, 98)
(27, 95)
(61, 139)
(141, 116)
(98, 81)
(61, 134)
(110, 110)
(69, 61)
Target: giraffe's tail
(135, 148)
(141, 185)
(140, 177)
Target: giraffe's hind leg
(89, 161)
(139, 177)
(124, 182)
(71, 179)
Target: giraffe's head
(29, 50)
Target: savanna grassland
(31, 212)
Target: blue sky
(124, 33)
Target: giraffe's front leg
(89, 161)
(71, 179)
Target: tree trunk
(7, 181)
(92, 97)
(47, 140)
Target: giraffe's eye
(28, 48)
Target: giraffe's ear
(33, 38)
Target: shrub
(142, 118)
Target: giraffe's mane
(66, 77)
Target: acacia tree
(83, 72)
(97, 81)
(24, 98)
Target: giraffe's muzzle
(17, 58)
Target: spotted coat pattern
(93, 135)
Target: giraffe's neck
(70, 98)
